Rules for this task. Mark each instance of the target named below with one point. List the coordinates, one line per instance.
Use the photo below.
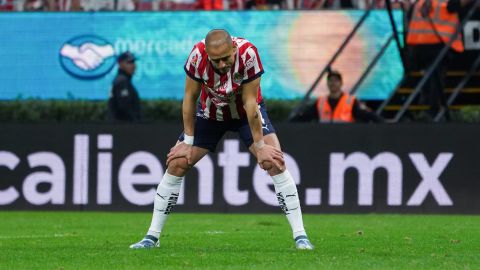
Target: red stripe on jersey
(259, 62)
(191, 70)
(211, 76)
(251, 72)
(223, 81)
(203, 98)
(202, 66)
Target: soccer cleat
(147, 242)
(301, 242)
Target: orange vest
(342, 112)
(438, 27)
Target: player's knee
(267, 165)
(271, 168)
(178, 166)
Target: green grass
(95, 240)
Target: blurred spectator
(156, 4)
(104, 5)
(7, 5)
(355, 4)
(331, 4)
(338, 106)
(98, 5)
(431, 27)
(125, 5)
(143, 5)
(69, 5)
(170, 5)
(124, 102)
(269, 4)
(236, 5)
(210, 4)
(39, 5)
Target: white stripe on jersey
(229, 83)
(255, 63)
(216, 80)
(208, 103)
(240, 42)
(251, 62)
(197, 63)
(237, 60)
(205, 76)
(219, 113)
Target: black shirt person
(124, 102)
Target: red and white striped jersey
(221, 96)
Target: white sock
(165, 199)
(287, 196)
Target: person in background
(124, 101)
(337, 107)
(39, 5)
(7, 5)
(69, 5)
(431, 27)
(210, 4)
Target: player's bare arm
(265, 153)
(182, 149)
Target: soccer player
(225, 72)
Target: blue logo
(87, 57)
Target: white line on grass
(57, 235)
(214, 232)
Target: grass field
(95, 240)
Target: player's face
(222, 57)
(334, 84)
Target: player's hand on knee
(268, 156)
(180, 150)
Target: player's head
(220, 49)
(334, 81)
(126, 63)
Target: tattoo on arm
(256, 114)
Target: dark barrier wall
(338, 168)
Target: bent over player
(225, 72)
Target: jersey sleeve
(253, 65)
(192, 64)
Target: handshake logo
(87, 57)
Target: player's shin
(165, 199)
(287, 196)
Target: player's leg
(169, 189)
(287, 195)
(207, 134)
(285, 187)
(166, 197)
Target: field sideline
(96, 240)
